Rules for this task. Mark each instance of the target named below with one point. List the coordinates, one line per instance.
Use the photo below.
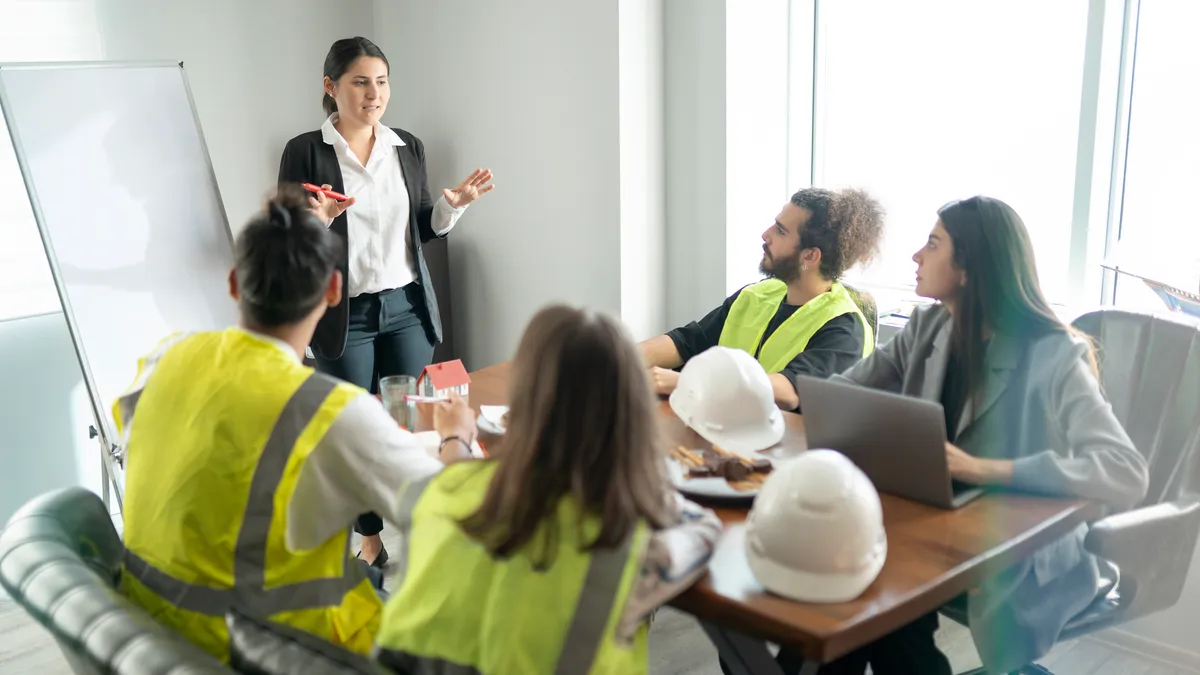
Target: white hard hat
(725, 396)
(815, 533)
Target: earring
(804, 268)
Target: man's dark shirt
(833, 348)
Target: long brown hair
(581, 424)
(1002, 292)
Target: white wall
(756, 116)
(255, 70)
(643, 199)
(694, 111)
(726, 72)
(530, 89)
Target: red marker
(328, 193)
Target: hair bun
(279, 215)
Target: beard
(785, 269)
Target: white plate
(704, 487)
(719, 487)
(490, 417)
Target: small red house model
(442, 378)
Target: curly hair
(846, 225)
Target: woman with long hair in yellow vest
(801, 320)
(550, 557)
(245, 468)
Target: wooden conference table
(933, 556)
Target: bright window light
(1160, 235)
(923, 103)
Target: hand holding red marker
(324, 189)
(327, 204)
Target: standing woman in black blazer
(387, 322)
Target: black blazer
(307, 158)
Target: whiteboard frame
(106, 433)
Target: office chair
(867, 305)
(60, 560)
(261, 647)
(1150, 371)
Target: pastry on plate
(741, 473)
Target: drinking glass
(395, 391)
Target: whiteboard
(127, 206)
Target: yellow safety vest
(756, 305)
(224, 423)
(458, 609)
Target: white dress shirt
(357, 467)
(381, 257)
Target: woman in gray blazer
(1024, 410)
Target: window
(922, 103)
(34, 30)
(1158, 233)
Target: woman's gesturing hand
(472, 188)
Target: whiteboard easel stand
(111, 455)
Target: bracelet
(454, 438)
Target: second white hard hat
(816, 533)
(724, 395)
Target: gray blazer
(1043, 409)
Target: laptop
(898, 441)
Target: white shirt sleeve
(357, 467)
(445, 216)
(675, 558)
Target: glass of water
(395, 391)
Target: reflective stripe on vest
(586, 634)
(410, 494)
(595, 604)
(127, 403)
(756, 305)
(249, 591)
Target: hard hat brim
(803, 586)
(744, 441)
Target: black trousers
(373, 573)
(386, 336)
(907, 651)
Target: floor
(677, 647)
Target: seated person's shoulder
(846, 328)
(927, 319)
(929, 313)
(849, 321)
(734, 295)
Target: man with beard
(800, 320)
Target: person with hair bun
(244, 467)
(388, 323)
(801, 320)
